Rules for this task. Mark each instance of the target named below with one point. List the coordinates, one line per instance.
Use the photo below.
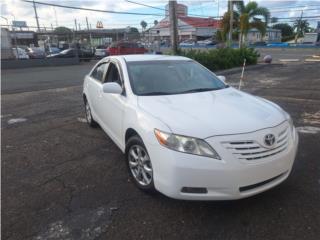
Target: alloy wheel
(88, 113)
(140, 165)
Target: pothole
(311, 118)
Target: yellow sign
(99, 24)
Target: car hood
(205, 114)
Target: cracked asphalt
(61, 179)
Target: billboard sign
(19, 24)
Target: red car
(124, 48)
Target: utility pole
(55, 15)
(173, 25)
(231, 22)
(299, 29)
(75, 24)
(87, 23)
(88, 30)
(36, 15)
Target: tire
(92, 123)
(139, 164)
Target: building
(195, 28)
(272, 35)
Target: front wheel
(139, 164)
(89, 118)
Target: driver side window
(113, 74)
(99, 71)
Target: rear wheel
(139, 164)
(89, 118)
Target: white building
(195, 28)
(272, 35)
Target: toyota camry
(185, 132)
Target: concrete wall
(15, 63)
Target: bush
(218, 59)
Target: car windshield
(171, 77)
(65, 51)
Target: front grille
(252, 150)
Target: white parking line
(16, 120)
(82, 120)
(308, 129)
(289, 60)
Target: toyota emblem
(269, 139)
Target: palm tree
(301, 27)
(248, 19)
(143, 24)
(226, 23)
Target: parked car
(187, 43)
(122, 48)
(84, 54)
(35, 52)
(185, 132)
(207, 42)
(54, 50)
(258, 44)
(101, 52)
(20, 53)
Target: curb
(248, 68)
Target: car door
(94, 88)
(112, 105)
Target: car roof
(150, 57)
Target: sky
(55, 16)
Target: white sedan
(185, 132)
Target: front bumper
(224, 179)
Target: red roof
(193, 21)
(201, 22)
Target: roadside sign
(19, 24)
(99, 24)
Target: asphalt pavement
(64, 180)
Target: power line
(166, 10)
(93, 10)
(299, 17)
(286, 7)
(296, 10)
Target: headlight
(186, 144)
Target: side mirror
(222, 78)
(112, 87)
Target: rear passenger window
(99, 71)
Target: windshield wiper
(200, 90)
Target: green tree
(226, 24)
(274, 20)
(155, 22)
(248, 19)
(301, 26)
(143, 25)
(286, 31)
(63, 33)
(62, 30)
(133, 33)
